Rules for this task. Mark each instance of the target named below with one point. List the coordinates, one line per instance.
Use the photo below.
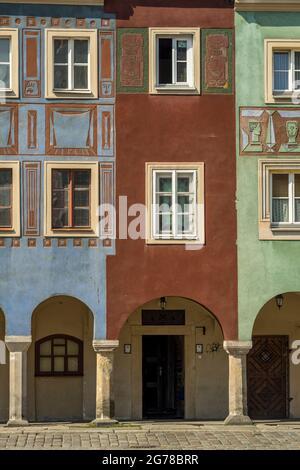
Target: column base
(17, 422)
(104, 422)
(238, 420)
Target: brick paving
(155, 436)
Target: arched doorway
(4, 373)
(61, 362)
(273, 379)
(171, 363)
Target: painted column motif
(18, 347)
(104, 381)
(238, 410)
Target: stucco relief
(132, 63)
(269, 130)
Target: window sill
(172, 241)
(71, 94)
(175, 90)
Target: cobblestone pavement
(156, 436)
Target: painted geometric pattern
(267, 370)
(267, 131)
(8, 130)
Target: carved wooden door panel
(268, 377)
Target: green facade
(265, 268)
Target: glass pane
(297, 210)
(165, 202)
(59, 350)
(297, 185)
(81, 217)
(181, 50)
(5, 177)
(60, 199)
(45, 348)
(281, 61)
(165, 223)
(61, 77)
(165, 60)
(5, 218)
(297, 81)
(165, 184)
(4, 76)
(81, 48)
(60, 51)
(184, 203)
(280, 185)
(183, 223)
(59, 364)
(181, 72)
(280, 210)
(297, 60)
(4, 49)
(81, 198)
(59, 341)
(183, 184)
(81, 77)
(45, 364)
(60, 218)
(72, 364)
(82, 178)
(281, 70)
(4, 197)
(72, 348)
(60, 179)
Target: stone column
(104, 381)
(238, 409)
(17, 347)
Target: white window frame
(71, 66)
(13, 90)
(291, 73)
(192, 86)
(190, 62)
(15, 229)
(153, 170)
(291, 199)
(71, 35)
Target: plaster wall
(4, 378)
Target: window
(174, 60)
(286, 71)
(71, 63)
(9, 199)
(176, 203)
(285, 195)
(9, 62)
(5, 198)
(279, 199)
(71, 199)
(59, 355)
(282, 69)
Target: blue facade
(35, 129)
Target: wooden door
(268, 377)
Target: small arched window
(59, 355)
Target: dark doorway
(163, 376)
(268, 377)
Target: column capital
(18, 343)
(237, 348)
(105, 345)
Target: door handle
(160, 371)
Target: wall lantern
(127, 348)
(279, 301)
(163, 303)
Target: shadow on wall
(271, 18)
(125, 9)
